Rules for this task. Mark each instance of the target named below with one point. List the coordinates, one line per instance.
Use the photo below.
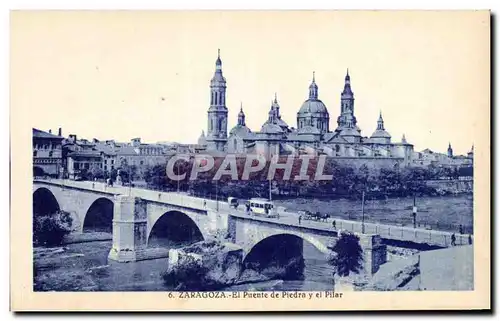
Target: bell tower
(217, 113)
(347, 118)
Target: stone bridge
(260, 235)
(132, 218)
(135, 215)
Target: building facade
(47, 153)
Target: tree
(112, 174)
(347, 254)
(49, 230)
(96, 172)
(156, 176)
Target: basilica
(312, 135)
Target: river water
(85, 267)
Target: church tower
(217, 113)
(347, 118)
(450, 150)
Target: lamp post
(217, 194)
(270, 195)
(363, 213)
(178, 181)
(414, 211)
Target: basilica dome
(270, 128)
(240, 130)
(380, 133)
(313, 106)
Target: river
(85, 267)
(445, 213)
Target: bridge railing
(405, 233)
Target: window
(50, 154)
(76, 166)
(112, 162)
(87, 165)
(35, 153)
(142, 162)
(105, 167)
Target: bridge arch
(281, 253)
(316, 242)
(44, 202)
(174, 227)
(99, 216)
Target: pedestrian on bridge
(453, 239)
(334, 225)
(204, 203)
(461, 229)
(470, 239)
(300, 218)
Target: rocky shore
(213, 265)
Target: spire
(403, 140)
(275, 97)
(347, 92)
(380, 122)
(241, 116)
(313, 88)
(450, 150)
(218, 62)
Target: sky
(124, 74)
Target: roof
(349, 132)
(269, 128)
(312, 106)
(126, 150)
(332, 138)
(41, 134)
(105, 148)
(85, 153)
(380, 133)
(240, 130)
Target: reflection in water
(85, 267)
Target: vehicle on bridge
(307, 215)
(262, 206)
(233, 202)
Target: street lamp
(270, 195)
(363, 213)
(217, 194)
(414, 212)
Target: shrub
(347, 254)
(49, 230)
